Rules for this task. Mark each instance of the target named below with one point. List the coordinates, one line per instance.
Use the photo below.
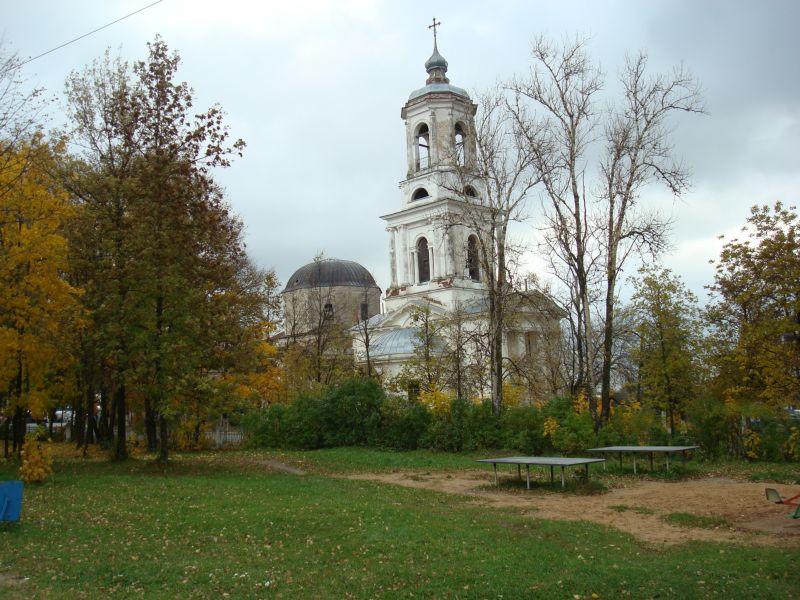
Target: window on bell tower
(423, 261)
(459, 145)
(423, 142)
(473, 266)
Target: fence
(225, 437)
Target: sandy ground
(640, 505)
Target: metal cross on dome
(433, 26)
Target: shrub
(265, 428)
(350, 413)
(403, 423)
(575, 434)
(523, 429)
(480, 427)
(302, 423)
(713, 426)
(37, 461)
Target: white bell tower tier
(431, 253)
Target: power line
(90, 33)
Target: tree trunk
(608, 344)
(163, 438)
(79, 418)
(19, 431)
(104, 430)
(6, 434)
(150, 425)
(120, 449)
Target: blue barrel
(10, 500)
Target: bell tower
(431, 253)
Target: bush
(575, 434)
(523, 429)
(265, 428)
(403, 423)
(480, 427)
(302, 423)
(714, 428)
(350, 413)
(37, 461)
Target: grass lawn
(222, 525)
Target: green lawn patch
(681, 519)
(223, 525)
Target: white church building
(434, 259)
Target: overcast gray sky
(315, 89)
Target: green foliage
(575, 434)
(403, 423)
(350, 413)
(682, 519)
(523, 428)
(265, 427)
(668, 352)
(302, 423)
(714, 426)
(756, 315)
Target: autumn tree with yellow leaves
(39, 310)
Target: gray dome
(330, 272)
(436, 61)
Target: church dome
(436, 61)
(330, 272)
(437, 81)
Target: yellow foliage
(752, 444)
(190, 434)
(580, 403)
(436, 400)
(40, 309)
(512, 394)
(550, 427)
(791, 447)
(37, 460)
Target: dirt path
(640, 505)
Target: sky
(315, 88)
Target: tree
(492, 185)
(756, 310)
(319, 349)
(426, 370)
(168, 282)
(669, 332)
(594, 229)
(21, 114)
(38, 307)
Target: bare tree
(638, 152)
(365, 326)
(561, 86)
(21, 115)
(593, 232)
(492, 184)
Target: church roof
(330, 272)
(436, 66)
(438, 87)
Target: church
(435, 267)
(433, 254)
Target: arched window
(473, 268)
(459, 145)
(420, 193)
(423, 261)
(423, 147)
(470, 191)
